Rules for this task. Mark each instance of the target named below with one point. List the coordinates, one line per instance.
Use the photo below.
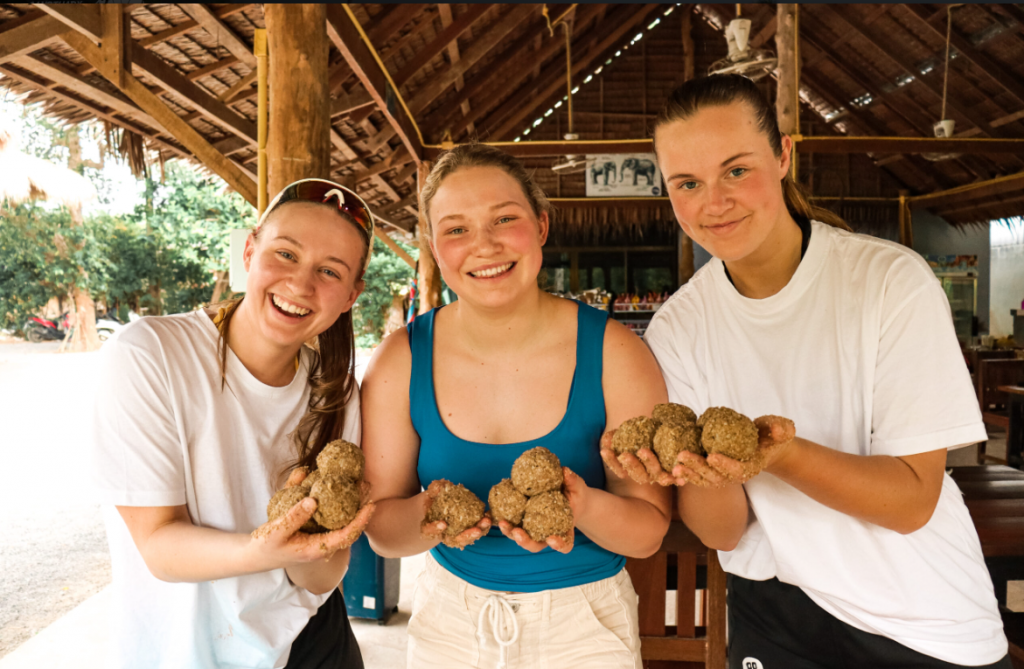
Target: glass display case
(962, 292)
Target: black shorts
(327, 641)
(774, 625)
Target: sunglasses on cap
(321, 191)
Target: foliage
(387, 276)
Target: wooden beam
(115, 45)
(221, 165)
(394, 17)
(495, 35)
(401, 204)
(28, 33)
(1001, 74)
(224, 35)
(349, 102)
(438, 44)
(610, 202)
(185, 26)
(208, 106)
(561, 148)
(390, 243)
(240, 87)
(908, 145)
(83, 18)
(347, 35)
(975, 191)
(619, 32)
(787, 100)
(397, 159)
(211, 68)
(444, 10)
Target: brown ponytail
(723, 89)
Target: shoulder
(153, 336)
(684, 315)
(391, 362)
(874, 258)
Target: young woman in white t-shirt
(199, 417)
(845, 542)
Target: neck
(768, 269)
(494, 331)
(271, 364)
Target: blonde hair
(724, 89)
(480, 155)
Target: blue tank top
(494, 561)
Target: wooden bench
(991, 374)
(686, 645)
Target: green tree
(386, 276)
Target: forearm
(394, 530)
(879, 489)
(624, 525)
(180, 552)
(321, 576)
(718, 516)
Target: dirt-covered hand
(643, 467)
(281, 543)
(575, 490)
(296, 477)
(775, 435)
(434, 530)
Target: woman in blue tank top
(468, 388)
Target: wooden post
(429, 279)
(688, 52)
(906, 221)
(787, 105)
(298, 143)
(262, 100)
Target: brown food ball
(458, 507)
(506, 502)
(341, 458)
(537, 470)
(671, 440)
(728, 432)
(283, 501)
(548, 514)
(337, 501)
(634, 434)
(674, 414)
(310, 479)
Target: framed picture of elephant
(623, 175)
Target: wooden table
(995, 499)
(1015, 431)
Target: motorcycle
(38, 329)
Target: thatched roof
(24, 177)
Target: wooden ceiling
(494, 72)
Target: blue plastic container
(371, 584)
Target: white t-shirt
(167, 435)
(859, 351)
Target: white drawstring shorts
(456, 625)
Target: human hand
(434, 530)
(280, 543)
(775, 436)
(575, 490)
(644, 467)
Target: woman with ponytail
(200, 417)
(845, 542)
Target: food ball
(674, 414)
(337, 501)
(537, 470)
(341, 458)
(728, 432)
(506, 502)
(634, 434)
(548, 514)
(670, 440)
(458, 507)
(283, 501)
(310, 479)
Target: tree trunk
(221, 287)
(429, 280)
(396, 315)
(298, 140)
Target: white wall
(1007, 242)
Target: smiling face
(304, 270)
(485, 236)
(724, 181)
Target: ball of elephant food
(310, 479)
(634, 434)
(337, 501)
(458, 507)
(341, 458)
(537, 470)
(674, 414)
(283, 501)
(548, 514)
(728, 432)
(671, 440)
(506, 502)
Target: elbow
(911, 522)
(724, 544)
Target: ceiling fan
(944, 129)
(743, 59)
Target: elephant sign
(623, 175)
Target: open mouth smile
(288, 309)
(492, 272)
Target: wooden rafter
(394, 17)
(346, 34)
(185, 26)
(615, 32)
(85, 19)
(440, 42)
(910, 145)
(444, 10)
(28, 33)
(970, 192)
(224, 35)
